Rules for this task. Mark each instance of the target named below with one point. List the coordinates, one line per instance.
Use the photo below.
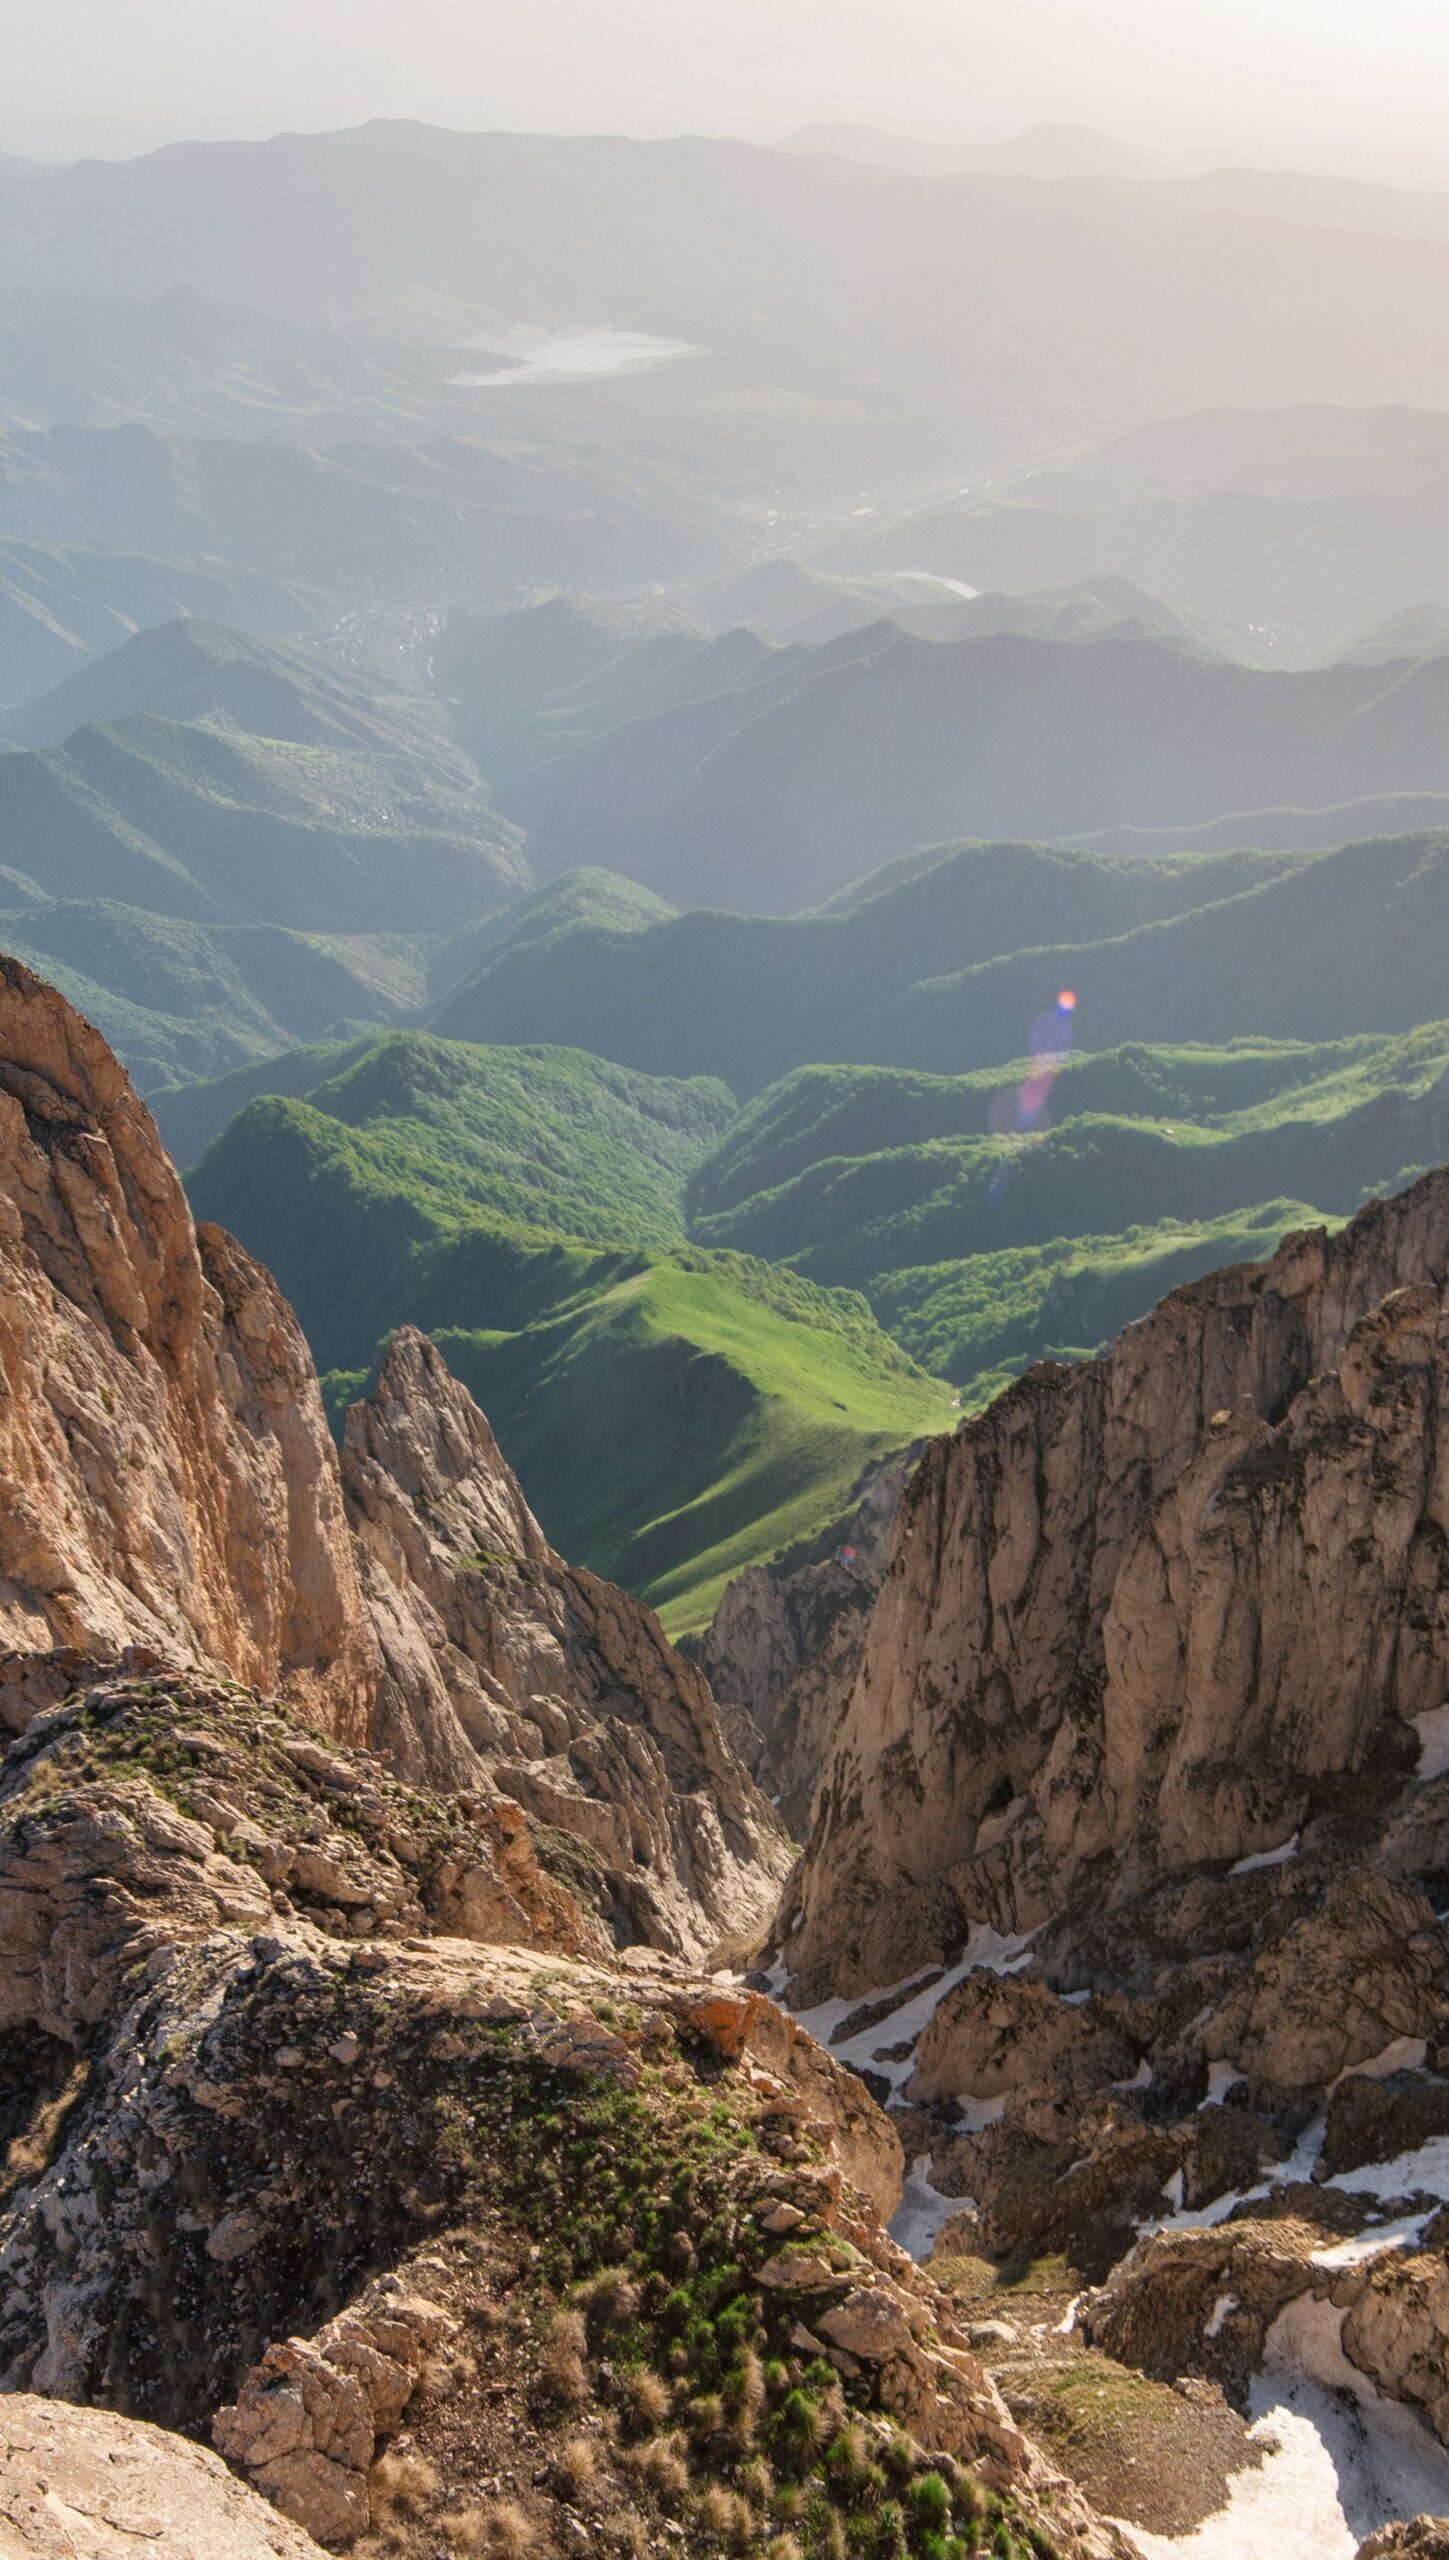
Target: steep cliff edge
(499, 1656)
(783, 1653)
(1152, 1612)
(1129, 1875)
(170, 1485)
(167, 1470)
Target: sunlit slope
(1039, 1207)
(674, 1413)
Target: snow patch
(1339, 2459)
(1433, 1732)
(1222, 2076)
(923, 2211)
(977, 2114)
(1267, 1858)
(986, 1951)
(1421, 2172)
(1406, 2053)
(1372, 2244)
(1225, 2303)
(1141, 2077)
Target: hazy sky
(1357, 84)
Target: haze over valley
(724, 1087)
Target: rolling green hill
(774, 779)
(676, 1414)
(944, 960)
(244, 844)
(982, 1235)
(177, 999)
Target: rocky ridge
(87, 2485)
(273, 2180)
(784, 1649)
(1141, 1803)
(171, 1485)
(1154, 1613)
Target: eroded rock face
(172, 1494)
(1153, 1612)
(502, 1658)
(1424, 2538)
(290, 2164)
(167, 1470)
(84, 2484)
(784, 1651)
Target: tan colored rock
(782, 1654)
(869, 2324)
(83, 2484)
(1151, 1611)
(172, 1491)
(502, 1659)
(306, 2421)
(1424, 2538)
(169, 1476)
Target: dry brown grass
(757, 2482)
(661, 2465)
(401, 2484)
(744, 2403)
(499, 2530)
(645, 2400)
(563, 2373)
(577, 2465)
(725, 2516)
(609, 2300)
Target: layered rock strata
(501, 1658)
(783, 1653)
(1152, 1614)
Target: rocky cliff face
(783, 1654)
(502, 1659)
(171, 1486)
(287, 2159)
(1140, 1816)
(167, 1470)
(1154, 1613)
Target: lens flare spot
(1066, 1001)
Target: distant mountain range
(765, 779)
(241, 844)
(1045, 151)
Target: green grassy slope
(252, 846)
(965, 1240)
(177, 999)
(675, 1414)
(749, 997)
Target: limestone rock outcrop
(168, 1474)
(783, 1652)
(1155, 1613)
(84, 2484)
(500, 1658)
(289, 2184)
(173, 1495)
(1422, 2538)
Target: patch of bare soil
(1156, 2454)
